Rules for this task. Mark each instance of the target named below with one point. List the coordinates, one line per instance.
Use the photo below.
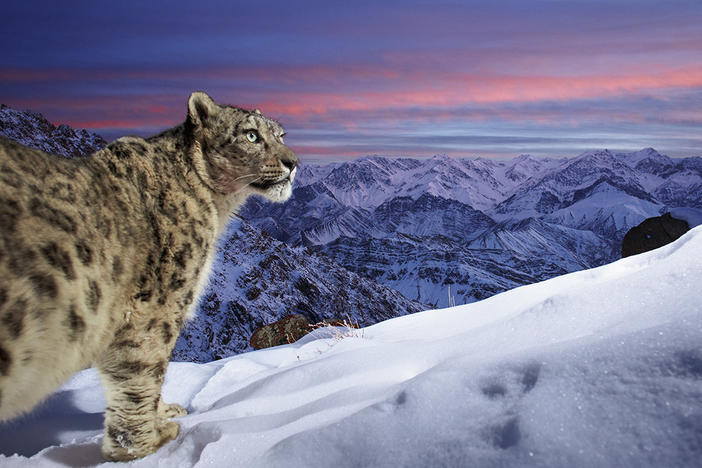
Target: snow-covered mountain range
(438, 231)
(476, 226)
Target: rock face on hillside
(652, 234)
(257, 280)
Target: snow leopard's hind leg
(132, 370)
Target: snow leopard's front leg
(132, 370)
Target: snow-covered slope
(601, 367)
(33, 130)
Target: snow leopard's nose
(289, 159)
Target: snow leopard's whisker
(247, 184)
(247, 175)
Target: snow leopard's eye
(252, 136)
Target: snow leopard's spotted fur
(102, 258)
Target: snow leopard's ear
(200, 107)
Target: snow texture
(601, 367)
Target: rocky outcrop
(293, 327)
(286, 330)
(652, 234)
(33, 130)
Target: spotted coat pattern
(102, 258)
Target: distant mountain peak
(596, 154)
(647, 154)
(525, 157)
(441, 157)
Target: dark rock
(286, 330)
(653, 233)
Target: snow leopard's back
(54, 298)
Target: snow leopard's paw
(170, 410)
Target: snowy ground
(597, 368)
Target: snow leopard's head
(238, 151)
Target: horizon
(507, 157)
(504, 158)
(414, 79)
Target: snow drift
(601, 367)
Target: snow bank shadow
(393, 404)
(82, 455)
(505, 435)
(688, 363)
(44, 426)
(191, 442)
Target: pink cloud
(476, 89)
(354, 96)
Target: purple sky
(493, 78)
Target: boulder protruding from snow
(653, 233)
(284, 331)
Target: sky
(396, 78)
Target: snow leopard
(102, 258)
